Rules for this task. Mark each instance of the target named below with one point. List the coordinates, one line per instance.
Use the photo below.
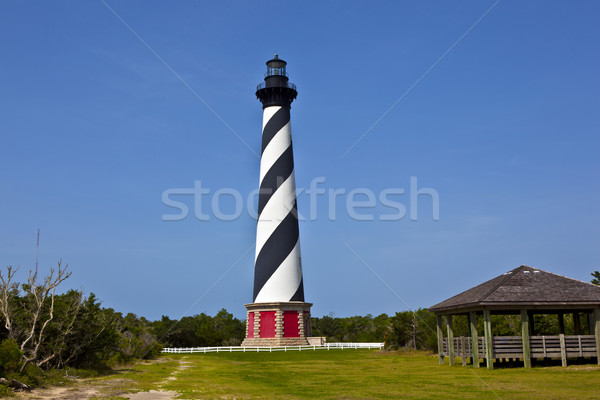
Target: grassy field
(355, 374)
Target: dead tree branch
(39, 295)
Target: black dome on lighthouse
(277, 65)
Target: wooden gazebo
(524, 291)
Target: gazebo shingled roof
(524, 286)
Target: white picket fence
(232, 349)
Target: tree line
(42, 328)
(46, 329)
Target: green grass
(357, 374)
(144, 375)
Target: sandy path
(162, 394)
(153, 395)
(85, 389)
(82, 389)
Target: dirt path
(153, 395)
(84, 389)
(81, 389)
(163, 394)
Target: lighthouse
(278, 314)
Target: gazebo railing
(555, 346)
(574, 346)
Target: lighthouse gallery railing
(262, 86)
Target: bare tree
(411, 330)
(38, 296)
(39, 310)
(8, 290)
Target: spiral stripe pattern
(278, 270)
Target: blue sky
(95, 127)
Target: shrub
(5, 391)
(32, 375)
(10, 356)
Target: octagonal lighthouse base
(277, 324)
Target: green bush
(5, 391)
(32, 375)
(10, 356)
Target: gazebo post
(474, 339)
(440, 337)
(525, 339)
(463, 351)
(487, 331)
(563, 349)
(563, 345)
(561, 322)
(531, 323)
(450, 339)
(597, 332)
(577, 322)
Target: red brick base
(284, 330)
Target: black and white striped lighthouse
(278, 314)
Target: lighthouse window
(276, 71)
